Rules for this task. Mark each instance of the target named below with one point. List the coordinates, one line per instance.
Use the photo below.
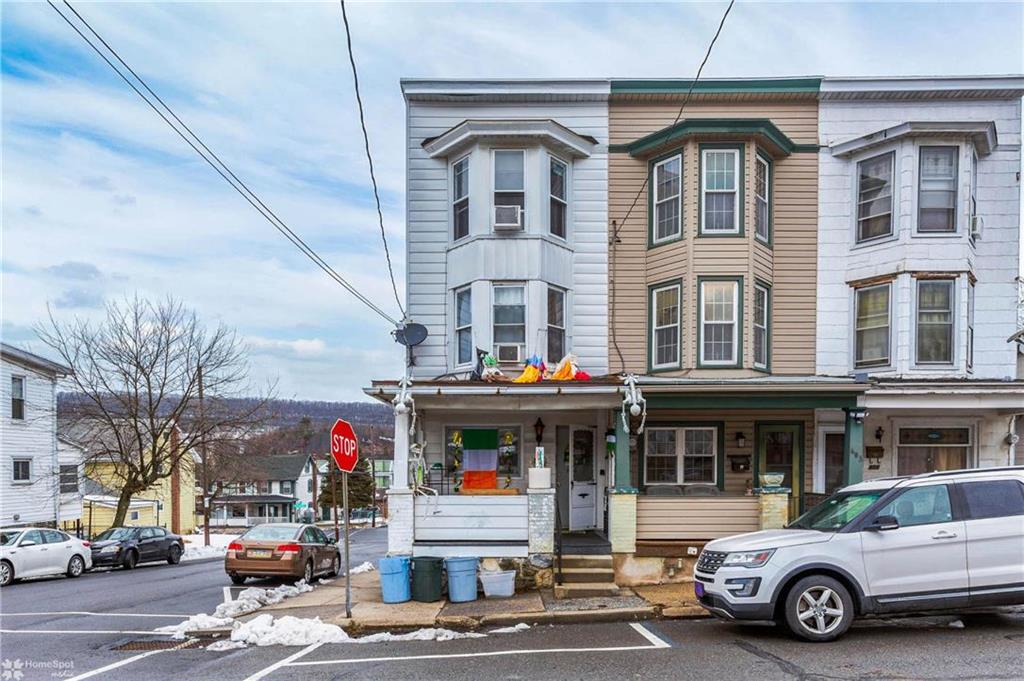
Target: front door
(778, 451)
(582, 479)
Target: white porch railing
(473, 525)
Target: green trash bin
(426, 579)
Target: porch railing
(695, 518)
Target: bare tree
(136, 381)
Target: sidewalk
(370, 613)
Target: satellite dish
(411, 334)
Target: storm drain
(143, 645)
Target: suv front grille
(710, 561)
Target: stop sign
(344, 446)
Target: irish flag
(479, 458)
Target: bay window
(719, 323)
(464, 326)
(935, 321)
(762, 313)
(509, 327)
(556, 325)
(937, 186)
(559, 171)
(664, 343)
(872, 326)
(720, 183)
(681, 456)
(762, 196)
(460, 198)
(668, 199)
(874, 197)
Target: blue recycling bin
(395, 579)
(461, 579)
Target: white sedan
(40, 551)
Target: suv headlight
(750, 559)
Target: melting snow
(264, 630)
(225, 644)
(361, 568)
(195, 622)
(522, 626)
(254, 598)
(419, 635)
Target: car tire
(174, 555)
(818, 608)
(6, 573)
(335, 566)
(307, 573)
(76, 566)
(237, 580)
(131, 559)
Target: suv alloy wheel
(819, 608)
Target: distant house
(281, 488)
(99, 505)
(35, 486)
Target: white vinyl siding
(720, 181)
(872, 321)
(762, 315)
(668, 201)
(762, 199)
(460, 198)
(558, 207)
(464, 326)
(719, 322)
(935, 321)
(874, 197)
(665, 331)
(937, 187)
(681, 456)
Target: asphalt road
(53, 643)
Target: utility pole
(206, 462)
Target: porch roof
(255, 499)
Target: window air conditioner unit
(508, 218)
(977, 227)
(507, 352)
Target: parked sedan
(128, 546)
(290, 550)
(39, 551)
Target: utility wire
(220, 167)
(617, 225)
(369, 157)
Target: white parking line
(649, 635)
(91, 614)
(227, 594)
(122, 663)
(281, 663)
(78, 631)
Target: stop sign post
(345, 452)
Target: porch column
(623, 483)
(401, 517)
(853, 445)
(622, 501)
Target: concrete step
(584, 561)
(587, 590)
(587, 574)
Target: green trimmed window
(762, 318)
(681, 456)
(762, 198)
(665, 336)
(720, 191)
(719, 323)
(668, 199)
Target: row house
(805, 278)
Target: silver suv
(939, 541)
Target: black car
(129, 546)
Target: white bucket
(501, 584)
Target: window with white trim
(460, 198)
(762, 198)
(872, 326)
(762, 303)
(936, 192)
(924, 450)
(21, 470)
(970, 326)
(556, 325)
(668, 199)
(510, 179)
(18, 398)
(720, 181)
(719, 322)
(935, 321)
(681, 456)
(464, 326)
(874, 197)
(665, 332)
(973, 208)
(558, 211)
(68, 478)
(509, 327)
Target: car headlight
(113, 548)
(750, 559)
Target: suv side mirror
(27, 542)
(884, 523)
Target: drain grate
(143, 645)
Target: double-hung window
(68, 478)
(720, 182)
(719, 323)
(680, 456)
(460, 198)
(872, 326)
(874, 197)
(509, 316)
(971, 228)
(935, 321)
(665, 327)
(762, 315)
(556, 325)
(936, 196)
(762, 196)
(18, 398)
(509, 186)
(22, 470)
(668, 199)
(559, 173)
(970, 326)
(464, 326)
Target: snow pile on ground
(363, 567)
(419, 635)
(225, 644)
(254, 598)
(195, 548)
(194, 623)
(264, 630)
(522, 626)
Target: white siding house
(29, 465)
(919, 236)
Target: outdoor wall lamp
(538, 430)
(741, 440)
(879, 432)
(858, 414)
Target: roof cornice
(761, 128)
(924, 87)
(543, 131)
(809, 84)
(981, 133)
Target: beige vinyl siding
(789, 266)
(680, 518)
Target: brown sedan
(289, 550)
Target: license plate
(698, 589)
(259, 553)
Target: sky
(102, 200)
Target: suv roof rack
(940, 474)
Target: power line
(619, 224)
(220, 167)
(369, 157)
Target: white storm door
(582, 480)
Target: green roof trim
(712, 86)
(761, 127)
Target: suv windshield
(836, 511)
(117, 533)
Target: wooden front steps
(587, 576)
